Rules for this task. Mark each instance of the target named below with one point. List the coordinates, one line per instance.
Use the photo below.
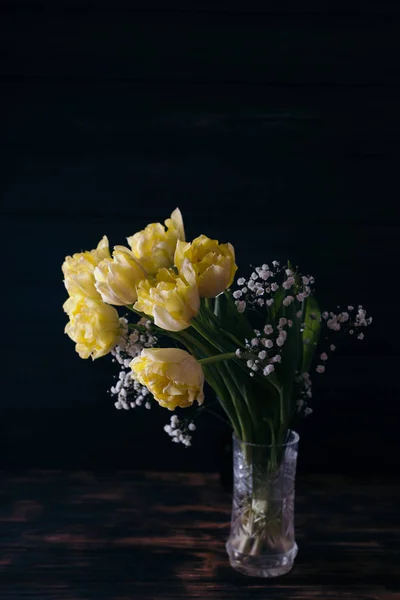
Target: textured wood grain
(78, 536)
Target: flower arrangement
(257, 343)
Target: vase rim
(293, 439)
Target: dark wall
(276, 131)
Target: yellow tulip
(116, 278)
(171, 299)
(213, 264)
(94, 326)
(173, 376)
(78, 270)
(155, 245)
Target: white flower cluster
(336, 322)
(264, 349)
(259, 289)
(130, 393)
(262, 352)
(179, 430)
(347, 321)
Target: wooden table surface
(128, 535)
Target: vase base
(262, 566)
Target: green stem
(204, 333)
(233, 339)
(243, 388)
(214, 378)
(237, 399)
(208, 305)
(137, 312)
(209, 313)
(216, 358)
(212, 412)
(188, 339)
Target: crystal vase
(262, 540)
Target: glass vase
(262, 540)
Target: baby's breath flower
(179, 431)
(324, 356)
(267, 343)
(333, 323)
(288, 283)
(130, 392)
(241, 306)
(263, 274)
(268, 369)
(288, 300)
(276, 359)
(283, 334)
(268, 329)
(320, 369)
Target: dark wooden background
(276, 130)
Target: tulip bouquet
(254, 343)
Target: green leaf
(277, 305)
(291, 359)
(297, 279)
(311, 331)
(231, 320)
